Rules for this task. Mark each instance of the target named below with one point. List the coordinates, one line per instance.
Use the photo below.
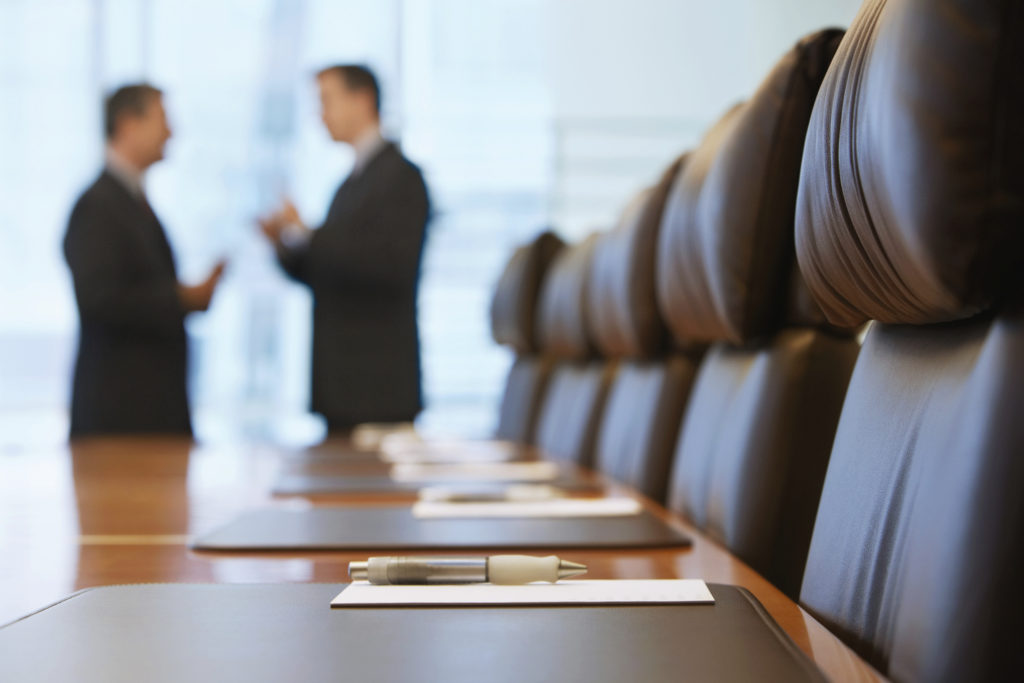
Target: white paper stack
(371, 435)
(401, 448)
(490, 493)
(664, 591)
(559, 507)
(476, 472)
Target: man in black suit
(131, 366)
(362, 265)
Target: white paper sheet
(563, 507)
(503, 471)
(371, 435)
(664, 591)
(491, 493)
(447, 451)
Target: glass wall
(463, 92)
(520, 112)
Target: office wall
(634, 83)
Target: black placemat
(288, 632)
(395, 527)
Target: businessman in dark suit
(131, 366)
(362, 265)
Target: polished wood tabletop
(121, 510)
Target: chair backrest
(513, 324)
(911, 213)
(575, 397)
(756, 437)
(516, 297)
(646, 399)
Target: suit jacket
(363, 267)
(130, 371)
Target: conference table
(109, 511)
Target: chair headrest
(562, 319)
(911, 206)
(624, 317)
(514, 306)
(725, 256)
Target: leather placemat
(288, 632)
(395, 527)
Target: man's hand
(273, 226)
(197, 297)
(289, 214)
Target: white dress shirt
(126, 173)
(366, 147)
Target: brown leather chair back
(575, 397)
(645, 402)
(755, 440)
(513, 324)
(517, 293)
(911, 213)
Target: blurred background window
(522, 113)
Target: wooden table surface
(120, 510)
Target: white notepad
(370, 435)
(490, 493)
(559, 507)
(663, 591)
(447, 451)
(497, 471)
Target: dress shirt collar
(125, 172)
(366, 147)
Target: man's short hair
(128, 99)
(356, 77)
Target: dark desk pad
(395, 528)
(288, 632)
(293, 484)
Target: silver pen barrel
(420, 570)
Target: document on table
(625, 592)
(559, 507)
(490, 493)
(371, 435)
(447, 451)
(498, 471)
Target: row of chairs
(705, 350)
(678, 352)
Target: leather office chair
(755, 441)
(646, 399)
(911, 214)
(513, 317)
(574, 401)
